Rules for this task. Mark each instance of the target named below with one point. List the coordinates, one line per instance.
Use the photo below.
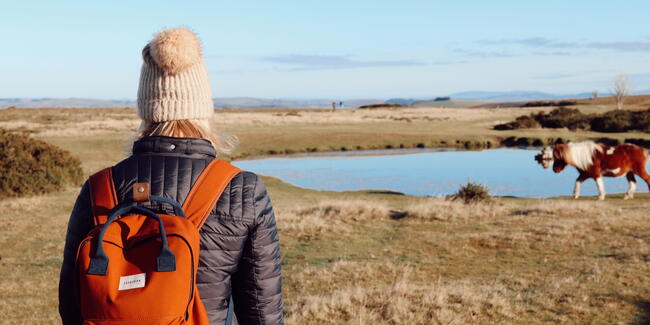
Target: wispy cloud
(449, 62)
(540, 42)
(556, 76)
(642, 46)
(483, 54)
(543, 42)
(332, 62)
(554, 53)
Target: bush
(563, 117)
(29, 166)
(521, 122)
(622, 121)
(573, 119)
(384, 105)
(472, 193)
(540, 103)
(613, 121)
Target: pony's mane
(581, 154)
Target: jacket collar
(169, 145)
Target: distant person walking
(333, 106)
(239, 258)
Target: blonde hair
(223, 143)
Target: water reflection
(507, 172)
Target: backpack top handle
(166, 261)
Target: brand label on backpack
(132, 281)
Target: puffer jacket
(240, 253)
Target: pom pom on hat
(175, 49)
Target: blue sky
(330, 49)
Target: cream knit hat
(174, 82)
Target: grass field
(269, 132)
(346, 259)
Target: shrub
(384, 105)
(472, 193)
(639, 142)
(613, 121)
(507, 126)
(642, 121)
(29, 166)
(540, 103)
(563, 117)
(622, 121)
(573, 119)
(521, 122)
(527, 122)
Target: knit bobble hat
(174, 82)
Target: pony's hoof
(575, 197)
(628, 197)
(601, 198)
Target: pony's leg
(638, 166)
(644, 175)
(601, 188)
(630, 190)
(576, 189)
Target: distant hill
(448, 103)
(402, 101)
(485, 96)
(519, 96)
(229, 102)
(513, 96)
(63, 102)
(461, 99)
(252, 102)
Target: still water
(507, 172)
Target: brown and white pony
(595, 160)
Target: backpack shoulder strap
(102, 195)
(207, 189)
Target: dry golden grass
(372, 258)
(336, 216)
(542, 261)
(401, 301)
(31, 245)
(406, 115)
(347, 262)
(267, 132)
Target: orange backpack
(140, 268)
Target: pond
(424, 172)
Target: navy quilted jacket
(240, 253)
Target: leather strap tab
(141, 192)
(102, 195)
(207, 189)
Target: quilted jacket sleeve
(257, 286)
(78, 226)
